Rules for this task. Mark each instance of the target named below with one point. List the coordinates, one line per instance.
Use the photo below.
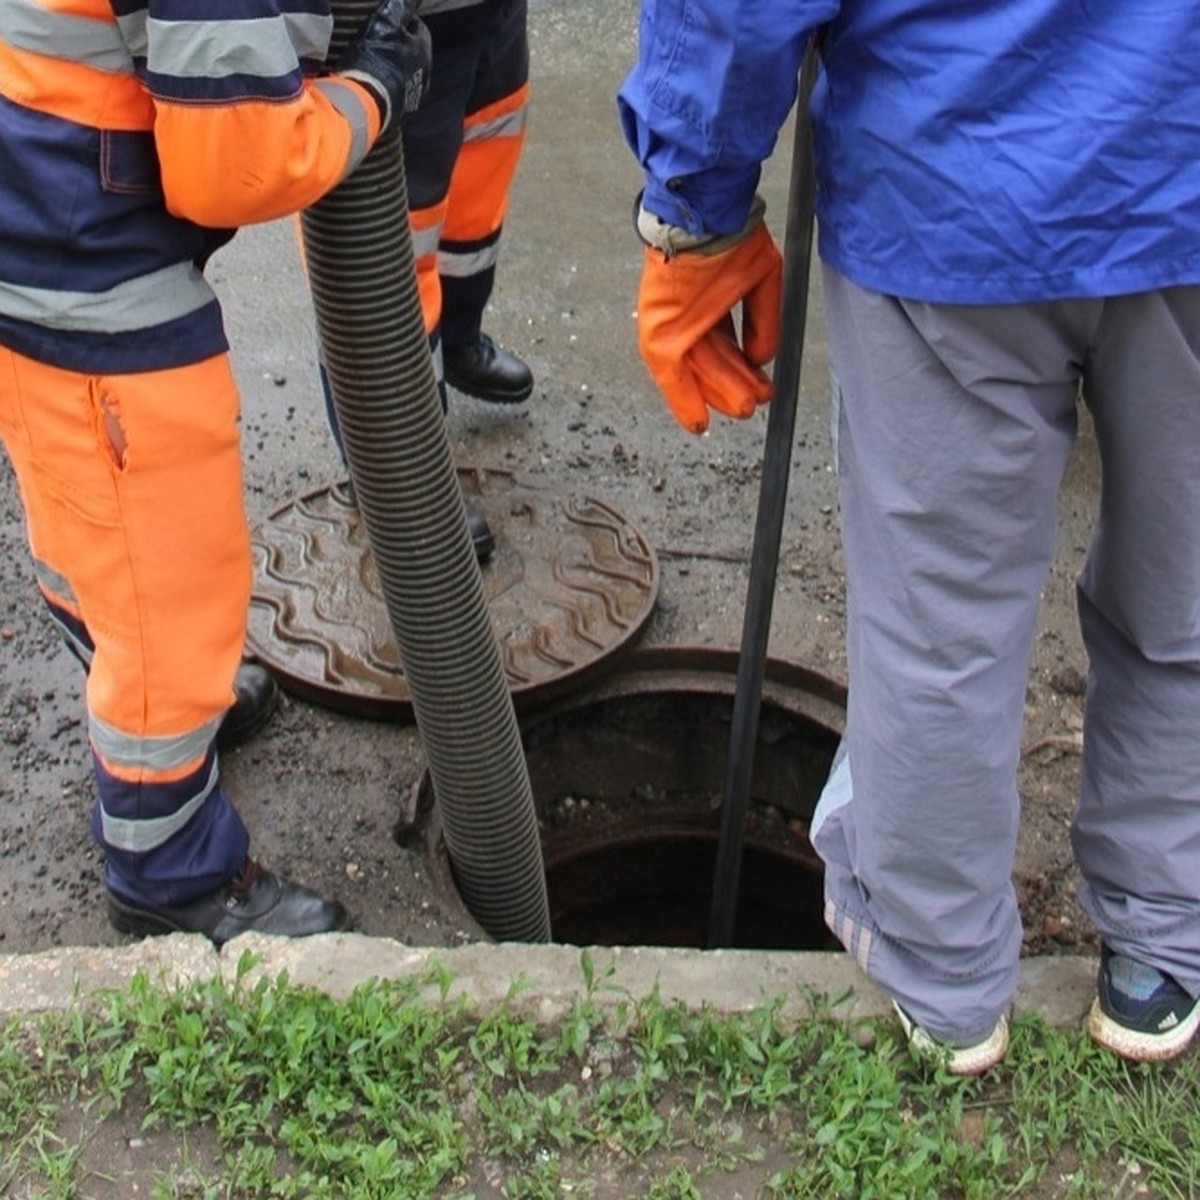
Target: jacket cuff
(673, 239)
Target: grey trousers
(953, 429)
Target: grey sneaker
(958, 1060)
(1140, 1013)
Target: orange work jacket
(135, 136)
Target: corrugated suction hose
(360, 263)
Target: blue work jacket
(967, 151)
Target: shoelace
(244, 880)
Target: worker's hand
(686, 332)
(391, 55)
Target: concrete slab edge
(540, 981)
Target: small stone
(1069, 681)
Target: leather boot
(257, 694)
(482, 537)
(483, 370)
(253, 900)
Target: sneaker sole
(1136, 1045)
(958, 1060)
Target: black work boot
(254, 900)
(256, 693)
(482, 537)
(483, 370)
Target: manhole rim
(798, 690)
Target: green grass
(260, 1088)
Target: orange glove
(686, 333)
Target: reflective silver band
(264, 48)
(81, 649)
(425, 241)
(349, 103)
(504, 125)
(152, 753)
(463, 266)
(164, 295)
(133, 30)
(58, 588)
(25, 25)
(138, 836)
(439, 364)
(53, 582)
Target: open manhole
(628, 782)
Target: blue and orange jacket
(968, 151)
(135, 136)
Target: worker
(1008, 216)
(461, 149)
(134, 138)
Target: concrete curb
(541, 981)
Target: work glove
(391, 56)
(686, 334)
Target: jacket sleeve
(703, 105)
(245, 129)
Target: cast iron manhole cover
(569, 587)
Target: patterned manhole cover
(570, 586)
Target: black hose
(768, 528)
(359, 258)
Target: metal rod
(772, 501)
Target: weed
(385, 1094)
(676, 1184)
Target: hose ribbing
(360, 264)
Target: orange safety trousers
(133, 496)
(455, 237)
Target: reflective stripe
(308, 34)
(52, 581)
(153, 753)
(73, 91)
(153, 299)
(265, 48)
(125, 833)
(505, 125)
(81, 649)
(348, 101)
(425, 241)
(439, 366)
(463, 266)
(26, 25)
(133, 30)
(63, 608)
